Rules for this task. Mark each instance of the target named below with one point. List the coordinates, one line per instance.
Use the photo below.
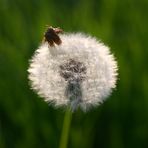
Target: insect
(51, 36)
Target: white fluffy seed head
(99, 79)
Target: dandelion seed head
(81, 72)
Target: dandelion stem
(65, 130)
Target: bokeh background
(26, 121)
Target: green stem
(65, 130)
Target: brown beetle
(51, 36)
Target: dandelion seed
(80, 72)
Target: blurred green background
(26, 121)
